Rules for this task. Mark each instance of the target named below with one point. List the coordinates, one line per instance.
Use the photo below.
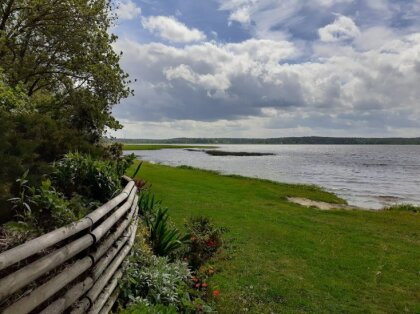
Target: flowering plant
(205, 240)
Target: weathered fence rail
(76, 267)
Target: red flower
(195, 279)
(211, 244)
(204, 285)
(216, 293)
(197, 285)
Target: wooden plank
(108, 265)
(31, 272)
(101, 282)
(126, 178)
(103, 210)
(103, 297)
(108, 257)
(41, 243)
(51, 287)
(71, 296)
(111, 300)
(81, 307)
(104, 227)
(47, 240)
(109, 241)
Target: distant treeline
(281, 140)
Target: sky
(267, 68)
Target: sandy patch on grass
(320, 205)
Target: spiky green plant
(165, 237)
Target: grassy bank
(157, 147)
(286, 258)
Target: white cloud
(369, 91)
(305, 71)
(375, 37)
(329, 3)
(264, 18)
(343, 28)
(250, 127)
(241, 15)
(171, 29)
(127, 10)
(210, 82)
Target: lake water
(366, 176)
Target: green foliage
(151, 279)
(13, 99)
(52, 209)
(40, 48)
(90, 177)
(404, 207)
(143, 307)
(160, 281)
(41, 209)
(165, 238)
(113, 151)
(53, 98)
(148, 204)
(31, 140)
(205, 240)
(78, 184)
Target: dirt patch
(320, 205)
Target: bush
(79, 185)
(153, 279)
(94, 179)
(41, 209)
(205, 240)
(164, 236)
(161, 281)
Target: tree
(61, 53)
(59, 79)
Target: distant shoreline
(306, 140)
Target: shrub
(205, 240)
(50, 208)
(163, 282)
(41, 209)
(147, 204)
(165, 238)
(92, 178)
(153, 279)
(79, 184)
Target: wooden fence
(74, 268)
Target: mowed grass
(158, 146)
(284, 258)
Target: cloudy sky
(270, 68)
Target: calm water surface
(366, 176)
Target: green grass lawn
(284, 258)
(159, 146)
